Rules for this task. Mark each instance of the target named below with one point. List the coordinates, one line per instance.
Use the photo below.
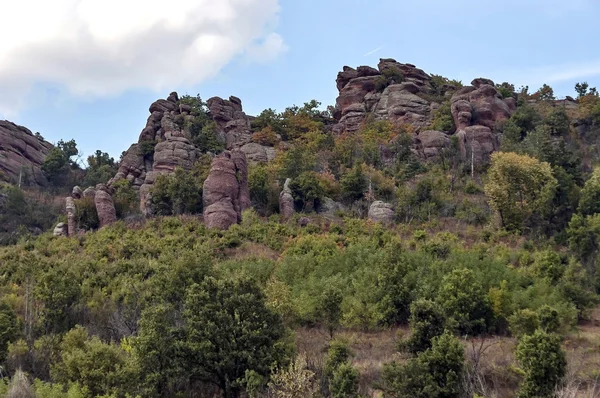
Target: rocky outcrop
(71, 216)
(381, 212)
(480, 104)
(104, 206)
(21, 155)
(61, 229)
(225, 192)
(165, 143)
(392, 92)
(286, 201)
(90, 192)
(77, 193)
(430, 144)
(476, 110)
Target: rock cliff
(21, 154)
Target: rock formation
(329, 207)
(431, 143)
(104, 206)
(71, 216)
(77, 193)
(476, 110)
(21, 154)
(286, 201)
(381, 212)
(61, 229)
(392, 92)
(165, 143)
(225, 193)
(90, 192)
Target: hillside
(421, 238)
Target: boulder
(104, 206)
(381, 212)
(256, 153)
(162, 106)
(329, 207)
(61, 229)
(286, 201)
(90, 192)
(303, 221)
(77, 193)
(483, 102)
(71, 216)
(225, 193)
(400, 104)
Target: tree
(589, 202)
(426, 322)
(330, 310)
(545, 93)
(519, 188)
(307, 190)
(344, 383)
(436, 373)
(8, 328)
(354, 183)
(543, 362)
(101, 167)
(581, 89)
(464, 302)
(229, 331)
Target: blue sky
(94, 82)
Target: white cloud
(104, 47)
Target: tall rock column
(71, 214)
(286, 201)
(104, 206)
(225, 193)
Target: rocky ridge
(21, 154)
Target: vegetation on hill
(168, 308)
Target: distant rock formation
(390, 92)
(71, 216)
(61, 229)
(105, 206)
(476, 110)
(225, 193)
(21, 154)
(381, 212)
(166, 143)
(286, 201)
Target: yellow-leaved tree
(519, 188)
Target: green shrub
(344, 383)
(543, 362)
(426, 322)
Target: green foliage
(264, 191)
(125, 198)
(442, 118)
(543, 362)
(506, 89)
(329, 309)
(344, 383)
(307, 190)
(229, 328)
(101, 168)
(8, 328)
(545, 93)
(294, 381)
(180, 192)
(437, 372)
(519, 188)
(426, 322)
(86, 214)
(464, 302)
(58, 162)
(589, 202)
(548, 264)
(338, 354)
(353, 184)
(147, 148)
(390, 75)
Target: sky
(89, 69)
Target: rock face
(71, 216)
(61, 229)
(286, 201)
(329, 207)
(21, 153)
(381, 212)
(165, 143)
(379, 93)
(430, 144)
(77, 193)
(104, 206)
(476, 110)
(225, 193)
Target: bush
(543, 362)
(437, 372)
(344, 383)
(295, 381)
(86, 214)
(307, 190)
(426, 322)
